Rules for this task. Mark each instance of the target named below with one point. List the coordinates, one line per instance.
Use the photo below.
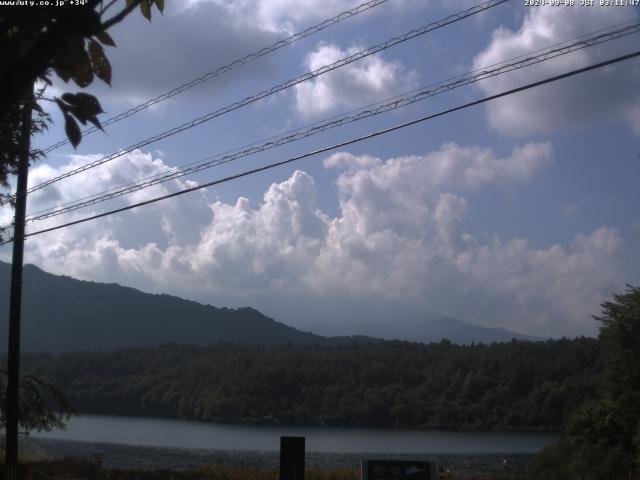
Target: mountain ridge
(56, 309)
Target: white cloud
(367, 80)
(166, 222)
(454, 165)
(279, 16)
(399, 237)
(608, 93)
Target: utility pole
(13, 360)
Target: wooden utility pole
(13, 360)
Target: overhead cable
(476, 9)
(230, 66)
(338, 145)
(375, 109)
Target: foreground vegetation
(86, 470)
(601, 440)
(512, 386)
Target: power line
(236, 63)
(527, 59)
(583, 36)
(338, 145)
(248, 100)
(586, 42)
(372, 110)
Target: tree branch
(120, 16)
(103, 9)
(36, 61)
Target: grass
(76, 469)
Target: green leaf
(105, 39)
(89, 103)
(69, 98)
(76, 58)
(63, 73)
(103, 71)
(160, 4)
(145, 8)
(79, 115)
(96, 52)
(86, 104)
(130, 2)
(96, 122)
(100, 63)
(89, 18)
(83, 75)
(64, 108)
(82, 106)
(73, 130)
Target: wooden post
(13, 358)
(291, 458)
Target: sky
(519, 213)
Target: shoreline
(120, 456)
(277, 424)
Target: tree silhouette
(602, 440)
(44, 407)
(70, 42)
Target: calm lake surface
(187, 434)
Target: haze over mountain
(436, 327)
(61, 314)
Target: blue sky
(521, 213)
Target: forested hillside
(516, 385)
(57, 310)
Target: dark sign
(397, 470)
(291, 458)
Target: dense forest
(518, 385)
(601, 440)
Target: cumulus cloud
(281, 16)
(400, 210)
(353, 85)
(165, 223)
(398, 238)
(454, 165)
(608, 93)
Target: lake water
(188, 434)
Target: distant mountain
(62, 314)
(430, 327)
(461, 332)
